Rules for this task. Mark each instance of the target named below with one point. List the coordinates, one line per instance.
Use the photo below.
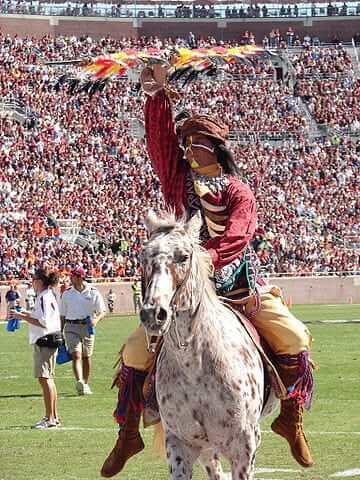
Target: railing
(247, 136)
(339, 274)
(344, 273)
(326, 76)
(144, 10)
(19, 112)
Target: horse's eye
(181, 259)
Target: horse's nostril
(162, 314)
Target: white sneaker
(87, 389)
(44, 423)
(45, 419)
(80, 387)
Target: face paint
(200, 152)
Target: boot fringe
(302, 390)
(130, 383)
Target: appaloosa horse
(209, 378)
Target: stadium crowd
(79, 160)
(327, 83)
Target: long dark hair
(226, 159)
(48, 277)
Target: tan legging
(285, 334)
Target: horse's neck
(190, 335)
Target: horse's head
(167, 259)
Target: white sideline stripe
(266, 470)
(106, 429)
(347, 473)
(228, 476)
(355, 320)
(264, 431)
(321, 433)
(273, 470)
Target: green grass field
(77, 450)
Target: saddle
(271, 372)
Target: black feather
(191, 77)
(94, 88)
(102, 85)
(86, 87)
(210, 71)
(179, 73)
(73, 85)
(60, 82)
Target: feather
(73, 85)
(190, 78)
(177, 74)
(186, 64)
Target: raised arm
(162, 144)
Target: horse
(209, 375)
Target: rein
(181, 345)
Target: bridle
(181, 345)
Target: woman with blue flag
(45, 336)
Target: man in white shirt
(81, 307)
(30, 298)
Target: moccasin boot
(289, 425)
(128, 444)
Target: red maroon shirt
(238, 217)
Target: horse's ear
(151, 222)
(193, 226)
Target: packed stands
(75, 158)
(327, 83)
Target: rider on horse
(197, 172)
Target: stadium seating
(78, 161)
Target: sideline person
(111, 297)
(45, 336)
(12, 298)
(197, 172)
(136, 289)
(81, 308)
(30, 297)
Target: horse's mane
(199, 284)
(168, 223)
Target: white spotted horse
(209, 375)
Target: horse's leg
(242, 455)
(211, 462)
(180, 458)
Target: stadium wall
(326, 28)
(297, 290)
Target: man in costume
(197, 172)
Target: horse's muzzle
(154, 318)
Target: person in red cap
(197, 173)
(81, 308)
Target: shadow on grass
(15, 427)
(30, 395)
(38, 395)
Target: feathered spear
(183, 63)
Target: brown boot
(289, 424)
(128, 444)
